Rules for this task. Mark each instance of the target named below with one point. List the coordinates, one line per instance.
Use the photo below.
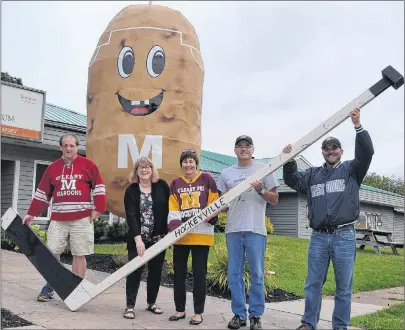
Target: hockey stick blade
(62, 280)
(82, 294)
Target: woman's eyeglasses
(147, 167)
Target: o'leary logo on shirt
(68, 185)
(242, 177)
(331, 187)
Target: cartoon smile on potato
(144, 96)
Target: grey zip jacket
(333, 193)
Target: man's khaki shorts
(78, 233)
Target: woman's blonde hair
(133, 176)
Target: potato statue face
(144, 96)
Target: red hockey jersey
(70, 188)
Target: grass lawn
(372, 271)
(388, 318)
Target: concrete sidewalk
(21, 284)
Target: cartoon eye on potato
(144, 96)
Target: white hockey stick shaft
(83, 294)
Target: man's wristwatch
(261, 192)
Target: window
(39, 170)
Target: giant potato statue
(144, 96)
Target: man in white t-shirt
(246, 233)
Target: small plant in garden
(218, 269)
(100, 228)
(117, 231)
(36, 228)
(269, 226)
(7, 242)
(43, 234)
(220, 225)
(170, 267)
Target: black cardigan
(160, 208)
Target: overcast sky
(273, 70)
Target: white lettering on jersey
(331, 187)
(335, 186)
(318, 190)
(68, 185)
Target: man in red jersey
(69, 182)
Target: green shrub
(170, 269)
(7, 242)
(43, 234)
(218, 268)
(220, 225)
(118, 231)
(100, 227)
(35, 228)
(269, 226)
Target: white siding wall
(303, 232)
(399, 227)
(284, 215)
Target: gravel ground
(105, 263)
(10, 320)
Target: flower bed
(10, 320)
(106, 263)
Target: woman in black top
(146, 206)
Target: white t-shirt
(247, 212)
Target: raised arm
(364, 150)
(294, 179)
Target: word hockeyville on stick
(195, 221)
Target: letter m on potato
(189, 201)
(152, 144)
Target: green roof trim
(65, 116)
(210, 161)
(380, 191)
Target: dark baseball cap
(244, 137)
(331, 142)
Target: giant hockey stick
(85, 290)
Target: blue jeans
(339, 247)
(47, 290)
(253, 246)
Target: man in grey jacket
(333, 207)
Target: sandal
(154, 309)
(176, 318)
(129, 313)
(195, 322)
